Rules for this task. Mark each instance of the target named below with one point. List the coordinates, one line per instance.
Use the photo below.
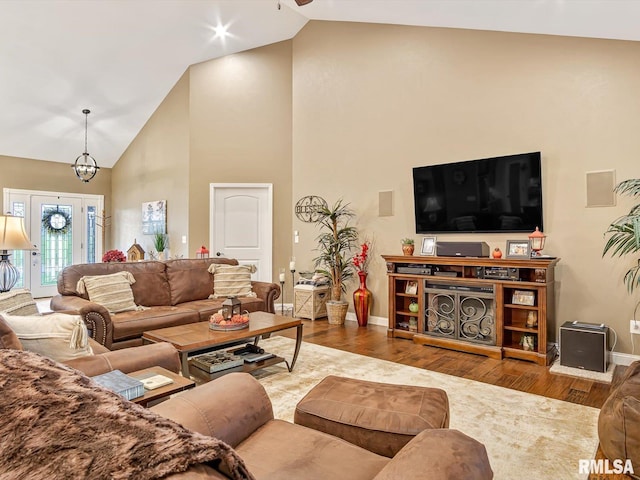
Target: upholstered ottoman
(379, 417)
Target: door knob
(219, 254)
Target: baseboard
(623, 358)
(381, 321)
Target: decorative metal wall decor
(307, 208)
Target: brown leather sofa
(619, 421)
(176, 292)
(102, 361)
(236, 409)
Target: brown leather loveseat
(175, 292)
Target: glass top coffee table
(195, 338)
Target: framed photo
(428, 246)
(518, 249)
(524, 297)
(411, 288)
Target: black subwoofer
(584, 345)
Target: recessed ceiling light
(220, 31)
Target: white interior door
(242, 225)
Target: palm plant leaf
(624, 233)
(335, 243)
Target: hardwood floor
(520, 375)
(529, 377)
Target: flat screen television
(490, 195)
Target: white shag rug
(526, 436)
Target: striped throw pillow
(18, 302)
(112, 291)
(232, 280)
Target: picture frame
(411, 288)
(524, 297)
(428, 247)
(518, 249)
(154, 217)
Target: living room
(346, 110)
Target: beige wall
(240, 128)
(156, 167)
(372, 101)
(226, 121)
(27, 174)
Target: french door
(62, 228)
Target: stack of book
(122, 384)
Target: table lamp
(12, 237)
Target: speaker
(584, 345)
(385, 203)
(600, 188)
(462, 249)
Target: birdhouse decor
(135, 252)
(202, 252)
(230, 307)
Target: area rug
(604, 377)
(527, 436)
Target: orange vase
(362, 301)
(407, 249)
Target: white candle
(292, 265)
(282, 277)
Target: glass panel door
(56, 232)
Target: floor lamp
(12, 237)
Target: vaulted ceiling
(120, 58)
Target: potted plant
(160, 243)
(624, 233)
(335, 242)
(408, 246)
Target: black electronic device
(499, 273)
(584, 345)
(462, 249)
(498, 194)
(415, 269)
(248, 348)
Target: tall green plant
(160, 241)
(624, 233)
(335, 242)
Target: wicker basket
(337, 312)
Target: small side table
(310, 301)
(179, 384)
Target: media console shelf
(494, 307)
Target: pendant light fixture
(85, 165)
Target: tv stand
(495, 307)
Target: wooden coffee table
(197, 338)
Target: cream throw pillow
(112, 291)
(58, 336)
(232, 280)
(18, 302)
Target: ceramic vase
(362, 301)
(407, 249)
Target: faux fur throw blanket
(55, 423)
